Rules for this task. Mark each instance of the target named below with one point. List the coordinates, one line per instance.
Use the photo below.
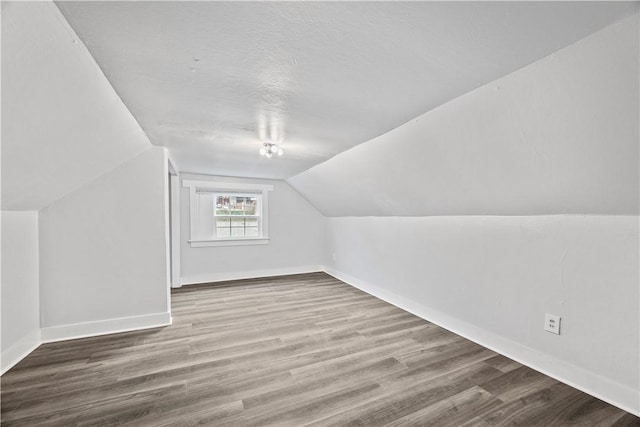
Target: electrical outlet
(552, 323)
(333, 256)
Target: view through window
(228, 213)
(237, 215)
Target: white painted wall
(174, 192)
(296, 232)
(19, 289)
(492, 279)
(558, 136)
(324, 76)
(63, 125)
(103, 252)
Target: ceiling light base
(269, 150)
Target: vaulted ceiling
(63, 125)
(213, 80)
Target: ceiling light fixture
(268, 149)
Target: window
(237, 215)
(227, 213)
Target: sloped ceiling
(212, 80)
(63, 125)
(560, 136)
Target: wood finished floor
(294, 350)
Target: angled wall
(558, 136)
(63, 125)
(447, 215)
(91, 257)
(103, 253)
(20, 291)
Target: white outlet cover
(552, 323)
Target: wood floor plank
(409, 391)
(502, 363)
(315, 385)
(287, 351)
(455, 410)
(518, 383)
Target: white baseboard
(612, 392)
(18, 351)
(104, 327)
(240, 275)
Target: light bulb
(268, 149)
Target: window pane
(233, 216)
(222, 205)
(242, 205)
(251, 232)
(250, 204)
(230, 204)
(223, 232)
(237, 232)
(223, 222)
(237, 222)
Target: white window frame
(227, 187)
(258, 215)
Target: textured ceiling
(210, 80)
(62, 124)
(559, 136)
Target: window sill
(228, 242)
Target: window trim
(227, 187)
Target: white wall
(296, 232)
(103, 252)
(558, 136)
(492, 279)
(70, 145)
(63, 125)
(20, 301)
